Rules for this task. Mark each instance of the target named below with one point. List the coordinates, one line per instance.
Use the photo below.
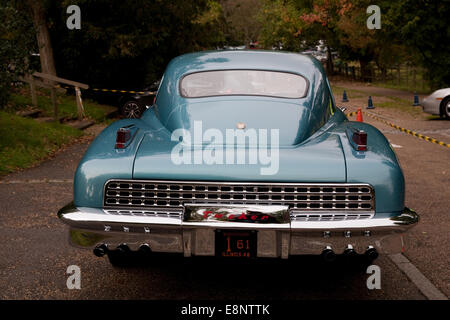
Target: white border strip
(421, 282)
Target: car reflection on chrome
(336, 186)
(438, 103)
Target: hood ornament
(240, 125)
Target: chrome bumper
(91, 226)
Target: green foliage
(413, 31)
(126, 44)
(25, 142)
(281, 25)
(240, 21)
(17, 43)
(400, 104)
(423, 26)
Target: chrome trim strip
(329, 216)
(90, 217)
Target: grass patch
(351, 93)
(21, 99)
(394, 103)
(403, 87)
(400, 104)
(25, 142)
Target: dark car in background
(133, 103)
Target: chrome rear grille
(339, 216)
(177, 214)
(298, 196)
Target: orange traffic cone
(359, 116)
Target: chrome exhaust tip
(349, 251)
(371, 253)
(123, 248)
(328, 254)
(145, 248)
(100, 250)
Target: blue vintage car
(244, 154)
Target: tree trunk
(365, 70)
(384, 74)
(43, 37)
(330, 64)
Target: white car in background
(319, 55)
(438, 103)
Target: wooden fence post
(80, 107)
(54, 79)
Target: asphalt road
(427, 175)
(36, 253)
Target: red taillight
(360, 139)
(123, 136)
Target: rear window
(243, 82)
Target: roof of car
(244, 59)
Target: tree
(341, 24)
(323, 21)
(281, 26)
(37, 8)
(357, 42)
(17, 43)
(127, 44)
(423, 27)
(300, 23)
(241, 23)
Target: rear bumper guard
(167, 232)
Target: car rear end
(238, 219)
(337, 187)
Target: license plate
(236, 244)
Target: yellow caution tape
(123, 91)
(411, 132)
(113, 90)
(351, 114)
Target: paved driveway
(36, 253)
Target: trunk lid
(320, 159)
